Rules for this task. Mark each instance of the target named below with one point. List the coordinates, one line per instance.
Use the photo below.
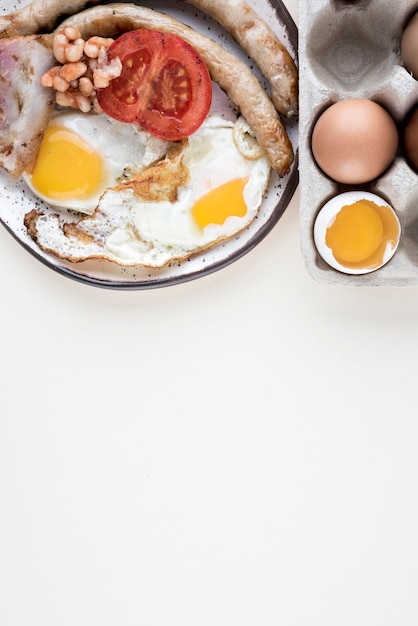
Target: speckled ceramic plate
(16, 199)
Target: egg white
(213, 159)
(129, 231)
(326, 217)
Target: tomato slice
(164, 87)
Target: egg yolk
(220, 203)
(360, 233)
(356, 232)
(66, 167)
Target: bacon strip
(25, 106)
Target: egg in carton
(352, 49)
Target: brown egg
(409, 46)
(410, 139)
(354, 141)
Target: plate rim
(153, 283)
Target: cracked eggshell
(374, 232)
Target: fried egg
(204, 191)
(81, 155)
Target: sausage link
(260, 42)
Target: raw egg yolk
(220, 203)
(360, 234)
(66, 167)
(356, 232)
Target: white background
(240, 450)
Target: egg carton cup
(351, 49)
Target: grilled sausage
(38, 16)
(262, 45)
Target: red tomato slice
(164, 86)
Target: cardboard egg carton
(352, 49)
